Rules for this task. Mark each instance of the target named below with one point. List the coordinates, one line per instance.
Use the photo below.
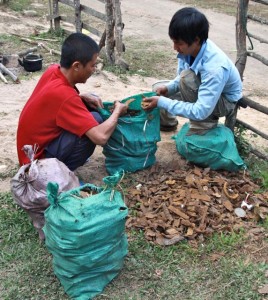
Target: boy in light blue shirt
(208, 83)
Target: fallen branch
(8, 72)
(3, 77)
(51, 51)
(30, 50)
(42, 45)
(29, 41)
(43, 39)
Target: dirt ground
(146, 19)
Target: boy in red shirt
(56, 118)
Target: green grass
(19, 5)
(147, 58)
(150, 271)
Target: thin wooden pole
(56, 14)
(109, 31)
(241, 35)
(78, 22)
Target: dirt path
(146, 19)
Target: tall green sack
(133, 144)
(215, 149)
(86, 236)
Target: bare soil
(145, 19)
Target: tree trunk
(241, 31)
(241, 58)
(118, 28)
(56, 13)
(109, 31)
(78, 22)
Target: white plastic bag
(29, 185)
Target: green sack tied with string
(133, 144)
(85, 233)
(215, 149)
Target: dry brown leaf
(228, 205)
(189, 232)
(202, 197)
(178, 212)
(216, 256)
(190, 180)
(172, 231)
(149, 215)
(149, 232)
(197, 172)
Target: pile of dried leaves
(172, 205)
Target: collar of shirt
(196, 64)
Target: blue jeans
(70, 149)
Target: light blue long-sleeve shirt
(219, 76)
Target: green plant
(242, 143)
(145, 59)
(258, 171)
(19, 5)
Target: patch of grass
(9, 173)
(150, 271)
(26, 271)
(258, 171)
(18, 5)
(7, 40)
(147, 58)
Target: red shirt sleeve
(73, 116)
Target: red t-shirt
(54, 106)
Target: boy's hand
(120, 108)
(92, 100)
(149, 103)
(162, 91)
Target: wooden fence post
(109, 44)
(78, 22)
(56, 14)
(241, 36)
(118, 29)
(241, 56)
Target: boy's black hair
(187, 24)
(77, 47)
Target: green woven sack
(85, 233)
(133, 144)
(215, 149)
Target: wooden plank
(52, 17)
(93, 12)
(255, 105)
(67, 2)
(92, 30)
(265, 2)
(258, 153)
(258, 19)
(258, 38)
(253, 129)
(258, 57)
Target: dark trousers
(70, 149)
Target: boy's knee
(189, 80)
